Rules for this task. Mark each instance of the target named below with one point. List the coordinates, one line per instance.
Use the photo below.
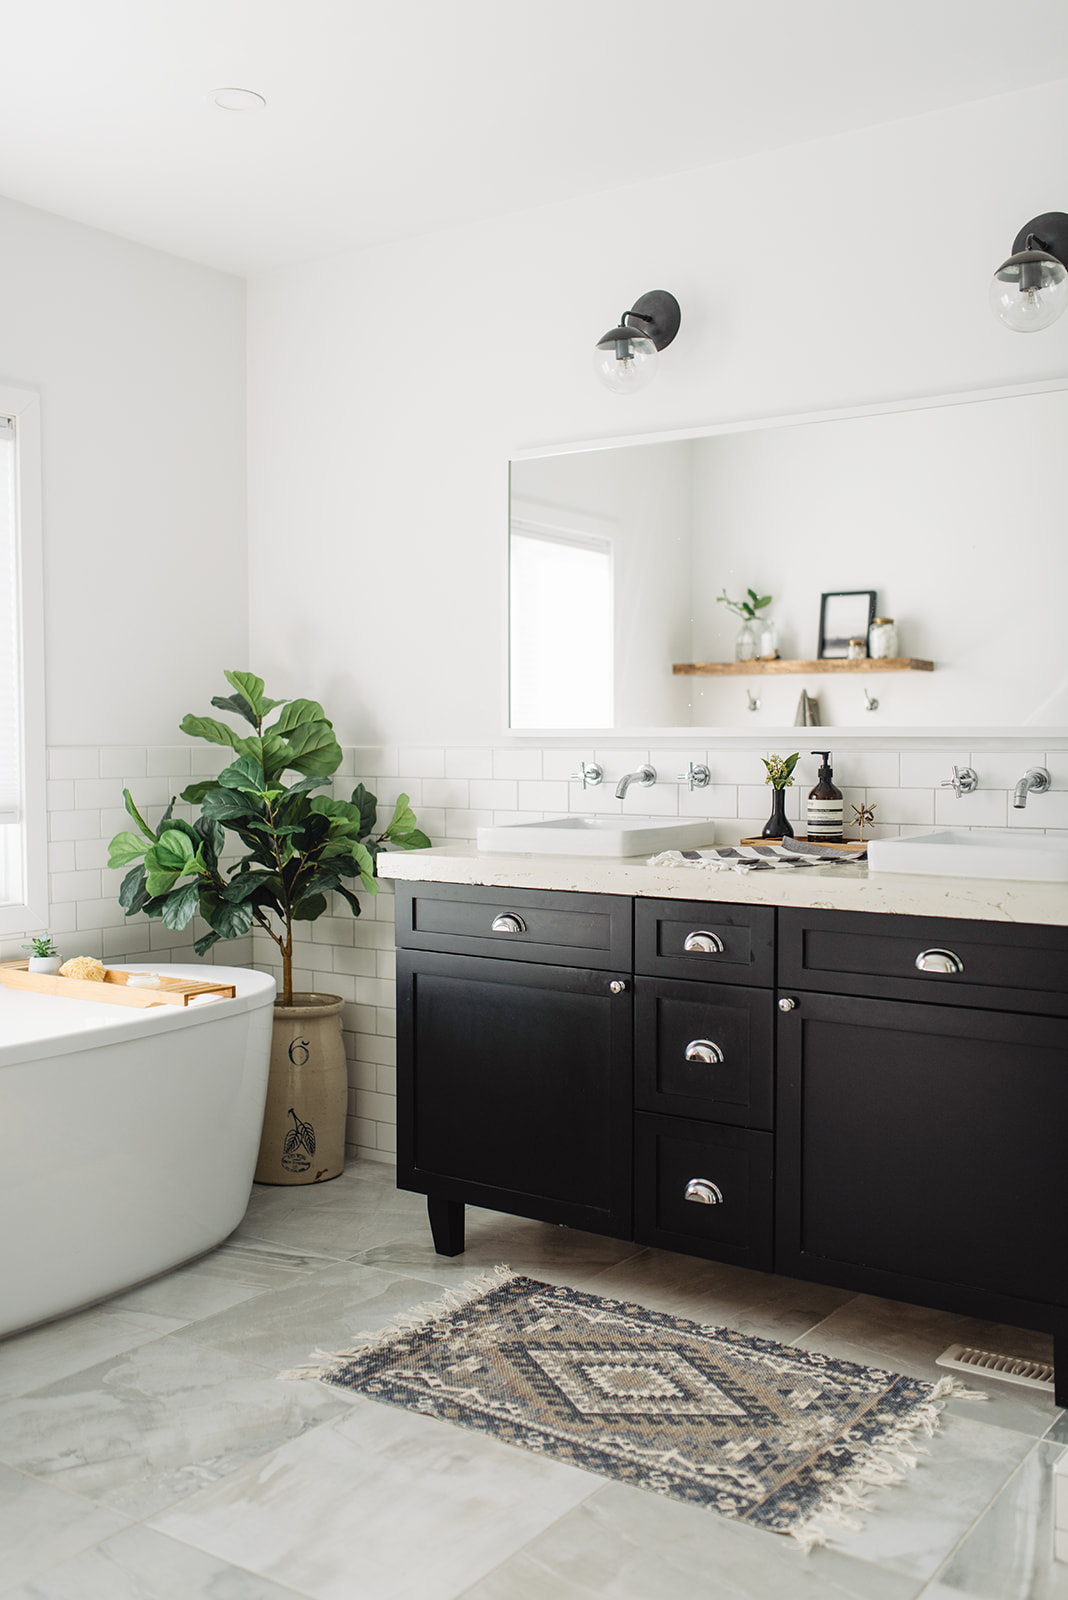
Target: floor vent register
(1012, 1369)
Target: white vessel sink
(956, 853)
(597, 836)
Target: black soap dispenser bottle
(823, 815)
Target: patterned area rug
(781, 1438)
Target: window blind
(10, 630)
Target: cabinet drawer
(582, 930)
(704, 1051)
(704, 939)
(1002, 968)
(730, 1167)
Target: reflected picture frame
(844, 614)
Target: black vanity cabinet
(922, 1105)
(514, 1055)
(871, 1101)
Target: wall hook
(754, 701)
(871, 704)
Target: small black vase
(777, 825)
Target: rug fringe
(327, 1364)
(889, 1461)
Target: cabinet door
(922, 1145)
(703, 1189)
(514, 1087)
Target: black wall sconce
(625, 358)
(1030, 289)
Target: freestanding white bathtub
(129, 1137)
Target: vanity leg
(447, 1226)
(1060, 1361)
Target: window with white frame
(23, 881)
(561, 625)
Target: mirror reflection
(953, 513)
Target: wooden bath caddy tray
(113, 990)
(846, 845)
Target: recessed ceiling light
(237, 100)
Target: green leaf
(247, 884)
(245, 773)
(209, 728)
(308, 909)
(367, 805)
(225, 805)
(195, 793)
(274, 753)
(304, 786)
(205, 942)
(296, 712)
(249, 687)
(212, 836)
(181, 906)
(138, 818)
(228, 919)
(416, 840)
(402, 823)
(313, 749)
(237, 704)
(124, 848)
(132, 891)
(175, 849)
(347, 894)
(160, 881)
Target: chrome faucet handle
(696, 776)
(589, 775)
(963, 781)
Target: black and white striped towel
(756, 857)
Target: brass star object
(863, 816)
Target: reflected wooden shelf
(737, 669)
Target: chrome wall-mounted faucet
(589, 774)
(963, 781)
(696, 776)
(1036, 780)
(646, 776)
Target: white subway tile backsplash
(360, 962)
(59, 794)
(716, 801)
(74, 886)
(922, 769)
(74, 761)
(494, 794)
(517, 764)
(998, 770)
(123, 761)
(542, 795)
(452, 792)
(62, 855)
(424, 763)
(983, 808)
(167, 760)
(74, 825)
(377, 758)
(896, 806)
(464, 762)
(1049, 810)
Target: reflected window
(561, 620)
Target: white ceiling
(400, 116)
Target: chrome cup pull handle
(703, 943)
(704, 1050)
(939, 961)
(508, 922)
(704, 1192)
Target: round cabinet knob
(508, 922)
(939, 961)
(703, 1192)
(617, 986)
(787, 1005)
(705, 1051)
(703, 943)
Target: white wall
(390, 387)
(140, 362)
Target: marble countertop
(832, 888)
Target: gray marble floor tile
(237, 1271)
(938, 1591)
(325, 1312)
(40, 1526)
(913, 1526)
(381, 1504)
(337, 1218)
(624, 1544)
(1008, 1555)
(909, 1338)
(141, 1431)
(536, 1249)
(141, 1564)
(28, 1360)
(712, 1292)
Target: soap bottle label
(824, 819)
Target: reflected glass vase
(778, 824)
(747, 644)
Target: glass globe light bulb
(1029, 291)
(625, 360)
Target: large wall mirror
(953, 511)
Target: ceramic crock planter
(307, 1094)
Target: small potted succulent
(44, 957)
(780, 774)
(298, 848)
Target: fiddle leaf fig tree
(298, 846)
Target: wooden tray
(846, 845)
(113, 990)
